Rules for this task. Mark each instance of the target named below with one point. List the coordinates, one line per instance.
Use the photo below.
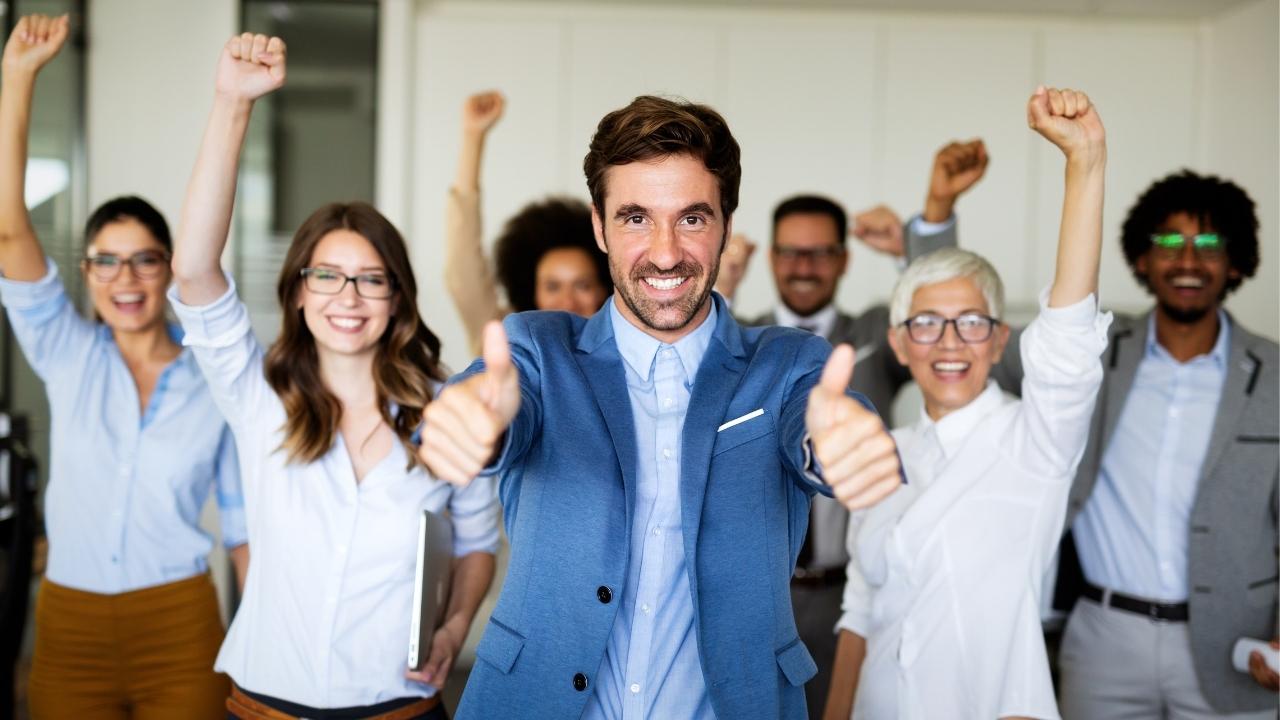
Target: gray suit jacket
(879, 376)
(1232, 547)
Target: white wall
(149, 73)
(1241, 128)
(851, 104)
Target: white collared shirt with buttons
(944, 574)
(325, 616)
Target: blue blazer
(568, 484)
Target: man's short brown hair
(654, 128)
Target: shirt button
(668, 353)
(579, 682)
(666, 453)
(657, 531)
(645, 608)
(668, 402)
(635, 688)
(604, 594)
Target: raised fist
(881, 229)
(35, 40)
(482, 111)
(957, 167)
(733, 264)
(251, 66)
(1069, 120)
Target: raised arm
(467, 273)
(36, 39)
(250, 66)
(1067, 119)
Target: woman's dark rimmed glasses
(1207, 245)
(146, 265)
(374, 286)
(928, 328)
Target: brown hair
(407, 359)
(653, 127)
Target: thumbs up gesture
(463, 426)
(1068, 119)
(858, 458)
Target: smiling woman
(323, 420)
(137, 447)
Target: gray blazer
(1232, 546)
(879, 376)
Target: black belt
(1168, 612)
(818, 577)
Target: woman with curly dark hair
(333, 490)
(546, 256)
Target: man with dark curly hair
(1174, 506)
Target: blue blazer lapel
(598, 357)
(713, 389)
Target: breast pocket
(743, 429)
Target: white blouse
(945, 573)
(324, 620)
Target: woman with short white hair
(941, 610)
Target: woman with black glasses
(127, 621)
(334, 491)
(942, 603)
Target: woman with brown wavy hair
(333, 491)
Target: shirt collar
(638, 348)
(1217, 355)
(952, 429)
(822, 321)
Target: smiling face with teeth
(346, 323)
(128, 303)
(807, 281)
(1187, 286)
(950, 372)
(662, 228)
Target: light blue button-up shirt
(1132, 533)
(651, 667)
(126, 486)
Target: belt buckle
(1153, 611)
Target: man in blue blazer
(657, 460)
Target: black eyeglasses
(1207, 245)
(374, 286)
(146, 265)
(928, 328)
(793, 254)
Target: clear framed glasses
(794, 254)
(147, 264)
(1209, 246)
(324, 281)
(928, 328)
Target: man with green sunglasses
(1174, 508)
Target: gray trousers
(1118, 665)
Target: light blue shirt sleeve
(230, 500)
(54, 337)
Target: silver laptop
(430, 584)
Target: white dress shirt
(945, 573)
(325, 616)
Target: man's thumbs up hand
(463, 426)
(855, 454)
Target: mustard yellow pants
(142, 655)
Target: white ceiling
(1163, 9)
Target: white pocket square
(739, 420)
